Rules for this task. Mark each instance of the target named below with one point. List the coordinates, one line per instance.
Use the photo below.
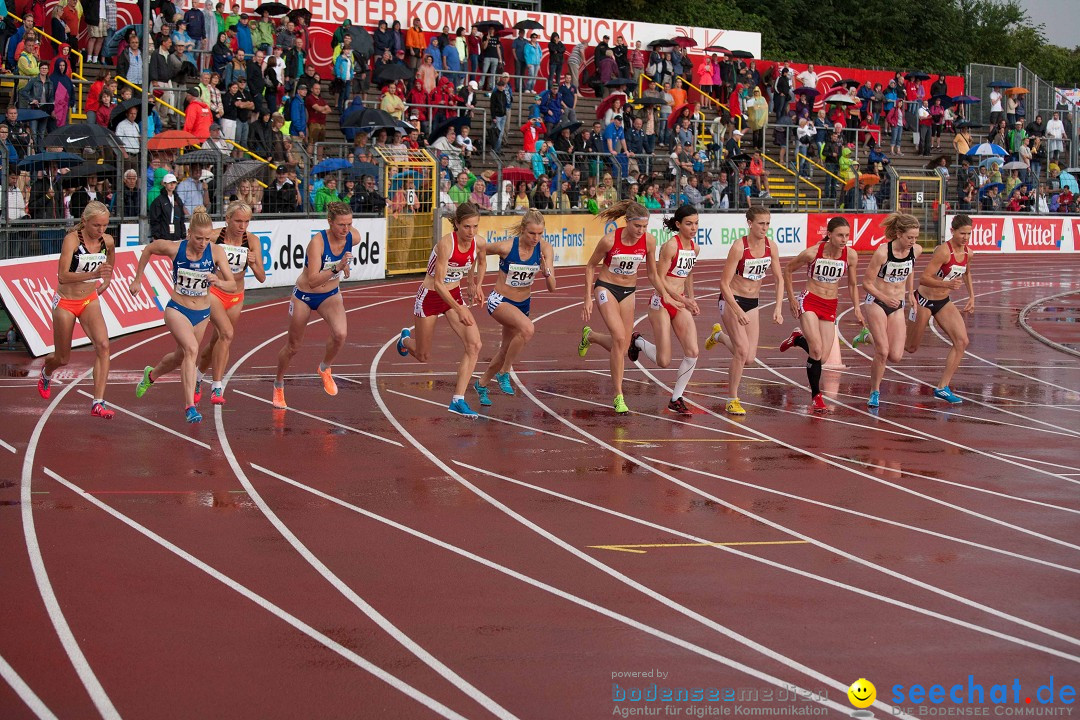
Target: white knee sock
(686, 370)
(647, 347)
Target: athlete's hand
(105, 272)
(955, 284)
(969, 306)
(135, 285)
(670, 300)
(778, 315)
(743, 320)
(586, 309)
(859, 316)
(213, 279)
(692, 306)
(794, 305)
(893, 302)
(465, 316)
(346, 261)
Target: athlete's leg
(517, 330)
(299, 312)
(740, 349)
(332, 310)
(686, 331)
(916, 329)
(815, 335)
(952, 324)
(878, 324)
(187, 348)
(658, 351)
(897, 335)
(63, 327)
(219, 346)
(93, 323)
(470, 338)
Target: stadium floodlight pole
(144, 223)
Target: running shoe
(217, 396)
(145, 383)
(863, 336)
(734, 407)
(198, 392)
(790, 342)
(405, 332)
(819, 404)
(620, 406)
(633, 351)
(43, 386)
(874, 400)
(504, 383)
(583, 346)
(946, 394)
(462, 408)
(98, 409)
(714, 338)
(482, 391)
(328, 383)
(192, 414)
(678, 406)
(279, 399)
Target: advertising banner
(1023, 233)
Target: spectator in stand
(261, 135)
(517, 48)
(678, 94)
(166, 212)
(93, 95)
(999, 134)
(895, 119)
(807, 78)
(228, 121)
(1055, 137)
(703, 78)
(757, 112)
(502, 99)
(491, 52)
(65, 91)
(1016, 139)
(127, 130)
(243, 35)
(282, 196)
(567, 95)
(615, 145)
(295, 58)
(317, 108)
(298, 114)
(40, 93)
(997, 112)
(531, 132)
(451, 63)
(216, 141)
(221, 54)
(344, 73)
(327, 194)
(782, 93)
(367, 198)
(637, 59)
(937, 122)
(606, 70)
(532, 54)
(245, 106)
(427, 73)
(262, 33)
(391, 103)
(286, 36)
(415, 42)
(303, 32)
(556, 60)
(29, 63)
(577, 62)
(434, 52)
(193, 190)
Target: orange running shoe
(279, 399)
(328, 381)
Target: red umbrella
(673, 120)
(607, 103)
(685, 42)
(508, 32)
(172, 140)
(517, 174)
(720, 49)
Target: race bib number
(89, 262)
(955, 273)
(655, 303)
(330, 264)
(237, 257)
(828, 271)
(192, 283)
(521, 276)
(625, 264)
(454, 274)
(684, 263)
(897, 271)
(756, 269)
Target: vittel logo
(1037, 234)
(986, 233)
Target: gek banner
(284, 246)
(1023, 233)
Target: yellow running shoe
(734, 407)
(714, 338)
(620, 406)
(279, 399)
(583, 346)
(328, 381)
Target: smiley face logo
(862, 693)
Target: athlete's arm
(853, 284)
(872, 269)
(225, 281)
(778, 309)
(801, 260)
(165, 248)
(443, 252)
(314, 275)
(67, 252)
(547, 264)
(969, 306)
(254, 257)
(910, 283)
(728, 274)
(110, 262)
(688, 287)
(929, 276)
(653, 269)
(597, 257)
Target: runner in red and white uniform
(678, 255)
(949, 268)
(618, 255)
(748, 262)
(826, 262)
(454, 259)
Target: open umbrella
(79, 136)
(300, 12)
(744, 54)
(172, 140)
(809, 92)
(364, 117)
(992, 160)
(1017, 91)
(842, 99)
(64, 160)
(331, 165)
(1014, 165)
(965, 100)
(564, 125)
(360, 169)
(1001, 84)
(242, 170)
(961, 124)
(457, 123)
(275, 9)
(392, 72)
(684, 42)
(917, 76)
(1000, 187)
(112, 45)
(662, 43)
(847, 82)
(740, 158)
(865, 180)
(28, 114)
(673, 119)
(81, 172)
(362, 41)
(528, 25)
(483, 25)
(619, 82)
(648, 102)
(606, 103)
(937, 161)
(201, 157)
(120, 111)
(988, 149)
(719, 49)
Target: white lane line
(148, 421)
(1041, 462)
(262, 602)
(955, 484)
(24, 692)
(778, 565)
(10, 448)
(328, 421)
(585, 557)
(336, 582)
(803, 414)
(539, 584)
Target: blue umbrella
(988, 149)
(1002, 84)
(965, 100)
(992, 160)
(112, 45)
(360, 169)
(330, 165)
(28, 114)
(986, 188)
(61, 159)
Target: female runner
(618, 254)
(678, 255)
(888, 279)
(243, 251)
(520, 260)
(87, 255)
(748, 262)
(826, 263)
(452, 259)
(198, 265)
(318, 289)
(950, 266)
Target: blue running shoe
(504, 383)
(946, 394)
(462, 408)
(405, 332)
(482, 392)
(192, 414)
(875, 399)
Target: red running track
(371, 555)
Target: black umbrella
(301, 11)
(64, 160)
(366, 117)
(242, 171)
(81, 172)
(564, 125)
(275, 9)
(662, 42)
(647, 101)
(457, 123)
(120, 111)
(741, 157)
(744, 54)
(28, 114)
(483, 25)
(618, 82)
(847, 82)
(392, 72)
(528, 25)
(82, 135)
(201, 157)
(362, 42)
(917, 75)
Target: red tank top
(952, 268)
(753, 268)
(683, 262)
(457, 265)
(827, 270)
(624, 259)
